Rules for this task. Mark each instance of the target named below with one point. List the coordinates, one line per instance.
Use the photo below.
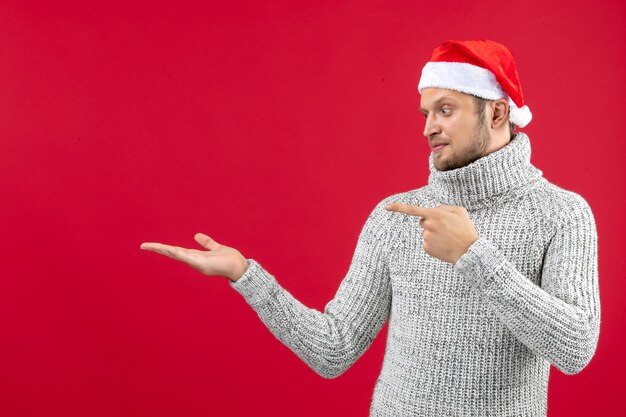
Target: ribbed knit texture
(475, 338)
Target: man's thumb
(206, 241)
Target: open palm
(218, 260)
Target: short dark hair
(480, 104)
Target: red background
(275, 127)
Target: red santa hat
(482, 68)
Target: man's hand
(218, 260)
(448, 230)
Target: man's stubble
(475, 150)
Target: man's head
(467, 126)
(478, 80)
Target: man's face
(451, 119)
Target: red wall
(275, 128)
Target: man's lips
(438, 146)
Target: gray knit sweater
(475, 338)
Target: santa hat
(482, 68)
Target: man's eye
(446, 109)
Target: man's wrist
(245, 264)
(466, 250)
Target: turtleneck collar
(500, 175)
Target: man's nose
(431, 127)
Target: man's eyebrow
(439, 100)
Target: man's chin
(442, 167)
(440, 163)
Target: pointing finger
(444, 207)
(411, 209)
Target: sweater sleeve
(559, 320)
(329, 342)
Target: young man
(487, 275)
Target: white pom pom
(520, 116)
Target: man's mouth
(437, 148)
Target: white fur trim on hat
(470, 79)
